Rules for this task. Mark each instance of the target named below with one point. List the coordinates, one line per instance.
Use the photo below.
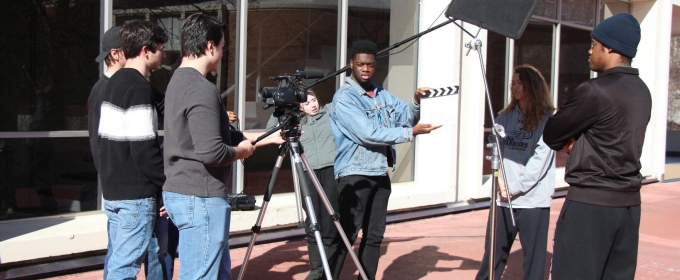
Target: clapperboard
(440, 107)
(437, 92)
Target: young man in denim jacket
(367, 121)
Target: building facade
(48, 185)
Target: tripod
(294, 147)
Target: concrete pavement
(451, 247)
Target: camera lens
(266, 92)
(301, 96)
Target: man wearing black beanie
(602, 125)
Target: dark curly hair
(137, 34)
(363, 46)
(197, 30)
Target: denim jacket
(364, 126)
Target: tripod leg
(334, 216)
(311, 214)
(265, 201)
(298, 199)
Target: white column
(341, 59)
(240, 81)
(106, 16)
(652, 60)
(438, 65)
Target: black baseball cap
(111, 41)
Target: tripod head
(289, 123)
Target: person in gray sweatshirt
(199, 149)
(319, 148)
(529, 167)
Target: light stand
(496, 158)
(300, 166)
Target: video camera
(291, 90)
(286, 98)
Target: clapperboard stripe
(437, 92)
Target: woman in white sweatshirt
(529, 167)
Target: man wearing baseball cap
(602, 125)
(113, 56)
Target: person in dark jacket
(602, 125)
(319, 148)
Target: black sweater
(131, 162)
(608, 117)
(94, 103)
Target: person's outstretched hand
(424, 128)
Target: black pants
(532, 225)
(363, 205)
(328, 231)
(596, 242)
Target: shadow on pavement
(423, 261)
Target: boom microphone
(312, 74)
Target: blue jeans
(159, 263)
(203, 224)
(130, 226)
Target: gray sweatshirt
(528, 162)
(198, 141)
(317, 139)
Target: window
(51, 46)
(547, 8)
(580, 12)
(535, 48)
(284, 38)
(574, 69)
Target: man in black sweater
(131, 163)
(602, 125)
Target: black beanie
(620, 32)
